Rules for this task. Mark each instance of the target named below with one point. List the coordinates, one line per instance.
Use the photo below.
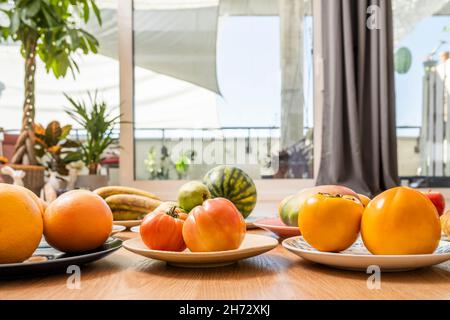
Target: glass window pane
(239, 92)
(422, 91)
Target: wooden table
(277, 274)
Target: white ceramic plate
(252, 245)
(358, 258)
(117, 229)
(127, 223)
(135, 229)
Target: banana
(106, 192)
(131, 202)
(127, 215)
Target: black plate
(57, 261)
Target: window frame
(268, 190)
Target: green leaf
(33, 8)
(96, 12)
(70, 144)
(15, 22)
(91, 41)
(65, 131)
(50, 21)
(53, 133)
(74, 39)
(60, 65)
(73, 67)
(85, 10)
(73, 156)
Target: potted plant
(53, 147)
(49, 31)
(99, 125)
(161, 171)
(183, 163)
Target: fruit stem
(340, 196)
(330, 195)
(172, 212)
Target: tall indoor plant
(48, 30)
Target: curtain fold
(359, 144)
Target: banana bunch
(128, 203)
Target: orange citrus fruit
(77, 221)
(20, 224)
(401, 221)
(41, 203)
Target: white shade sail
(407, 13)
(174, 38)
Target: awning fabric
(174, 38)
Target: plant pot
(34, 176)
(91, 182)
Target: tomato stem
(172, 212)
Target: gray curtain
(359, 144)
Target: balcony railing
(168, 132)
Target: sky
(422, 40)
(249, 76)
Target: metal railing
(79, 133)
(162, 133)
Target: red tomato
(217, 225)
(163, 230)
(438, 200)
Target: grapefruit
(20, 224)
(77, 221)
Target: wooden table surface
(277, 274)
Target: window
(97, 72)
(223, 85)
(422, 91)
